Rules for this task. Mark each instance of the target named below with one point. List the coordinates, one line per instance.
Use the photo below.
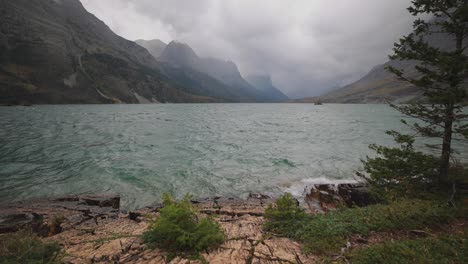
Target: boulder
(13, 221)
(325, 197)
(355, 194)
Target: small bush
(401, 171)
(25, 247)
(450, 249)
(178, 228)
(285, 211)
(327, 233)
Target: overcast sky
(307, 46)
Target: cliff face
(54, 51)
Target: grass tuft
(25, 247)
(449, 249)
(327, 233)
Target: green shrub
(401, 171)
(285, 211)
(179, 228)
(327, 233)
(450, 249)
(25, 247)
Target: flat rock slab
(72, 211)
(94, 231)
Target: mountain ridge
(155, 46)
(181, 55)
(381, 86)
(264, 83)
(57, 52)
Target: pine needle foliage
(442, 73)
(401, 171)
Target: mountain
(264, 84)
(228, 73)
(180, 63)
(181, 55)
(201, 84)
(380, 86)
(54, 51)
(155, 47)
(306, 100)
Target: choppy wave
(141, 151)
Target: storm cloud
(307, 46)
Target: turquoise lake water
(142, 151)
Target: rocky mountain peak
(179, 53)
(155, 46)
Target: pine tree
(442, 73)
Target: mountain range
(54, 51)
(181, 55)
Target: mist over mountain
(178, 54)
(264, 83)
(380, 85)
(305, 46)
(155, 47)
(54, 51)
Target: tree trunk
(447, 144)
(449, 118)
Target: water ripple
(141, 151)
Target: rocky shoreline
(93, 229)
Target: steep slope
(180, 63)
(182, 55)
(179, 54)
(54, 51)
(155, 47)
(264, 84)
(228, 73)
(379, 85)
(201, 84)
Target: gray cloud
(308, 46)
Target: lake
(142, 151)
